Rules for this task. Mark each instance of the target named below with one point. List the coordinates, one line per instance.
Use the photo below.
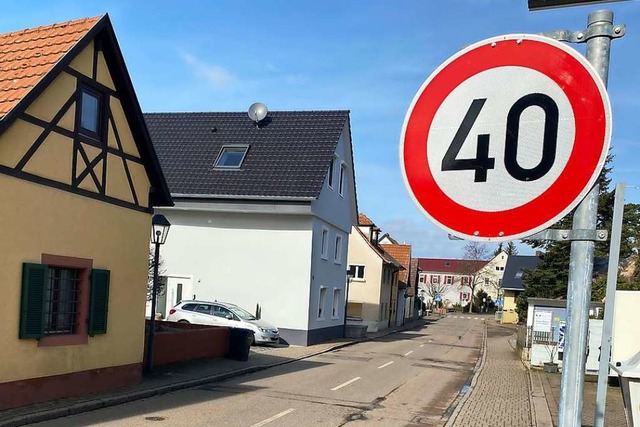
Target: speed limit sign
(505, 137)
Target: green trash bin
(239, 343)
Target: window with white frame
(335, 309)
(435, 279)
(337, 253)
(421, 279)
(325, 244)
(358, 271)
(332, 172)
(321, 302)
(342, 177)
(231, 156)
(448, 280)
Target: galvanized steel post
(607, 327)
(581, 262)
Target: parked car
(223, 314)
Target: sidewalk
(614, 412)
(185, 375)
(499, 394)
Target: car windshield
(243, 314)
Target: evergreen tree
(551, 277)
(511, 249)
(498, 250)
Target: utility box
(629, 374)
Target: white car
(223, 314)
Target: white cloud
(215, 75)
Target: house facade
(449, 278)
(406, 289)
(262, 214)
(373, 290)
(513, 284)
(82, 178)
(453, 279)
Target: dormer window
(231, 156)
(90, 113)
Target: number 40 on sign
(505, 137)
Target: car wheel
(183, 321)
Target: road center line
(408, 353)
(421, 345)
(338, 387)
(385, 365)
(275, 417)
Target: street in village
(411, 377)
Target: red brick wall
(178, 342)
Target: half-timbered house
(78, 182)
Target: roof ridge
(244, 112)
(51, 26)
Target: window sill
(358, 280)
(63, 340)
(337, 262)
(320, 319)
(325, 258)
(335, 317)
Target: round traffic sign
(505, 137)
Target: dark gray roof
(515, 264)
(288, 157)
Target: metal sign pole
(599, 25)
(607, 327)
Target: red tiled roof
(364, 220)
(27, 55)
(402, 254)
(456, 266)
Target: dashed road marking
(408, 353)
(275, 417)
(338, 387)
(385, 365)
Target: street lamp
(159, 231)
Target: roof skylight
(231, 157)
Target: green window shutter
(99, 302)
(34, 279)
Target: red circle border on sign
(590, 107)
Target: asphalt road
(408, 378)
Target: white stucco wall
(329, 273)
(246, 259)
(333, 208)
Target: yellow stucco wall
(54, 158)
(40, 220)
(36, 219)
(509, 314)
(370, 292)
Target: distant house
(513, 284)
(453, 279)
(80, 179)
(450, 278)
(373, 290)
(406, 292)
(262, 215)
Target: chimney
(539, 254)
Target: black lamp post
(159, 230)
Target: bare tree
(433, 289)
(161, 272)
(475, 253)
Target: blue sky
(369, 57)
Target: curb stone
(104, 402)
(459, 402)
